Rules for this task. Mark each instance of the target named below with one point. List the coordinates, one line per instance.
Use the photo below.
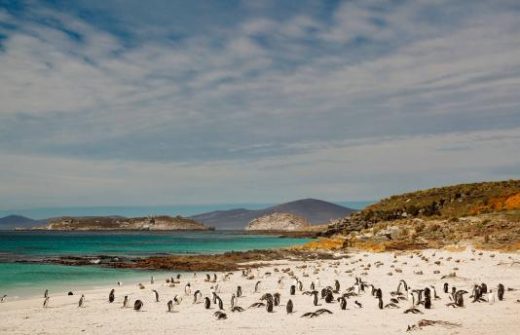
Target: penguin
(177, 300)
(45, 302)
(156, 295)
(220, 315)
(170, 306)
(138, 304)
(315, 300)
(207, 303)
(269, 306)
(214, 297)
(220, 303)
(445, 287)
(119, 283)
(300, 285)
(313, 287)
(111, 296)
(380, 303)
(187, 289)
(500, 292)
(491, 297)
(343, 303)
(404, 284)
(427, 299)
(233, 300)
(484, 288)
(358, 304)
(336, 286)
(46, 294)
(81, 301)
(239, 291)
(196, 296)
(125, 301)
(293, 290)
(151, 280)
(289, 306)
(276, 299)
(3, 298)
(329, 297)
(257, 286)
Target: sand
(62, 316)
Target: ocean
(24, 279)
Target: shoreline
(98, 316)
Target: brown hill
(485, 214)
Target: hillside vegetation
(482, 214)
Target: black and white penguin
(257, 286)
(289, 306)
(177, 300)
(207, 303)
(336, 286)
(239, 291)
(500, 292)
(152, 280)
(138, 304)
(233, 300)
(46, 302)
(427, 298)
(169, 304)
(293, 290)
(46, 293)
(125, 301)
(81, 301)
(196, 295)
(269, 306)
(187, 289)
(111, 296)
(315, 299)
(276, 297)
(220, 303)
(3, 298)
(156, 295)
(343, 303)
(445, 287)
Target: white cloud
(99, 119)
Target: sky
(140, 103)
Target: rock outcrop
(122, 223)
(279, 222)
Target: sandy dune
(62, 316)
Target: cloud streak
(122, 90)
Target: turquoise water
(23, 279)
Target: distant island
(122, 223)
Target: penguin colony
(340, 295)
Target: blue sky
(192, 102)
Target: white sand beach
(98, 316)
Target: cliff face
(279, 222)
(122, 223)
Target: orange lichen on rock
(513, 202)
